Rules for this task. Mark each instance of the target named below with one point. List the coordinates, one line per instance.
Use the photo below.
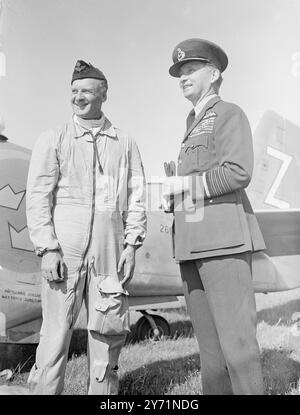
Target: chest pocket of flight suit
(197, 151)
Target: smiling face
(196, 80)
(87, 97)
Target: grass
(171, 365)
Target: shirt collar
(106, 129)
(200, 104)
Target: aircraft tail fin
(276, 176)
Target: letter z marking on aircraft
(286, 160)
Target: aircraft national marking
(286, 160)
(20, 239)
(10, 199)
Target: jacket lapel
(206, 107)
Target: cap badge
(80, 66)
(180, 54)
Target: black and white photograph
(149, 200)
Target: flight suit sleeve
(135, 222)
(42, 179)
(234, 150)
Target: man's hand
(170, 168)
(127, 261)
(53, 266)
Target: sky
(132, 41)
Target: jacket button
(179, 161)
(182, 145)
(211, 200)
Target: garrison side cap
(84, 70)
(197, 50)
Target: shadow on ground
(157, 378)
(78, 345)
(281, 372)
(21, 357)
(17, 357)
(281, 314)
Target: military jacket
(217, 151)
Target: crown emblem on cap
(180, 54)
(80, 66)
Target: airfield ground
(171, 366)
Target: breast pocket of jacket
(198, 152)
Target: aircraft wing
(278, 268)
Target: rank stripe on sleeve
(216, 182)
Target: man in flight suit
(214, 251)
(86, 217)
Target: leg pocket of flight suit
(109, 312)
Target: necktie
(190, 119)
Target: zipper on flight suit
(91, 221)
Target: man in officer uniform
(214, 249)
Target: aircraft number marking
(286, 160)
(165, 228)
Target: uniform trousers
(221, 304)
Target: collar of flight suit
(206, 107)
(80, 131)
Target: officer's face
(87, 97)
(195, 80)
